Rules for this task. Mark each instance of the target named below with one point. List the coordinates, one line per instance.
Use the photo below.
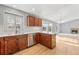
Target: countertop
(69, 35)
(47, 32)
(7, 34)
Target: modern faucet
(17, 28)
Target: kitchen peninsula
(10, 44)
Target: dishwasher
(31, 40)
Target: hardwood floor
(63, 47)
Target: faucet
(17, 28)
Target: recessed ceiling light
(14, 5)
(33, 9)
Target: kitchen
(39, 29)
(20, 30)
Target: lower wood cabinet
(48, 40)
(53, 41)
(2, 46)
(22, 42)
(10, 45)
(37, 37)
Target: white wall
(4, 9)
(66, 27)
(25, 27)
(54, 25)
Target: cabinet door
(42, 38)
(53, 41)
(22, 42)
(2, 47)
(37, 37)
(30, 21)
(40, 22)
(48, 41)
(10, 45)
(36, 21)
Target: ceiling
(59, 13)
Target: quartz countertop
(47, 32)
(13, 34)
(69, 35)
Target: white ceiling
(55, 12)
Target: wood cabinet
(48, 40)
(10, 45)
(43, 39)
(36, 21)
(30, 21)
(37, 37)
(40, 22)
(15, 43)
(33, 21)
(2, 46)
(22, 42)
(53, 40)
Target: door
(36, 21)
(37, 37)
(22, 42)
(30, 21)
(40, 22)
(46, 40)
(10, 45)
(42, 38)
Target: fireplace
(74, 31)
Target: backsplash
(32, 29)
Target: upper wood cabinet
(40, 22)
(36, 21)
(2, 46)
(30, 21)
(33, 21)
